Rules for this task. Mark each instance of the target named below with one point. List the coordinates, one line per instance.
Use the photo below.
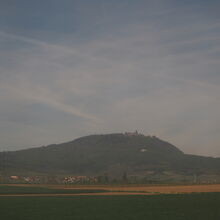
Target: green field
(14, 190)
(165, 207)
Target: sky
(72, 68)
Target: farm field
(197, 206)
(24, 190)
(71, 190)
(167, 189)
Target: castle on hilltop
(133, 133)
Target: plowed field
(119, 189)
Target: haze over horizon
(73, 68)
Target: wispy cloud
(42, 96)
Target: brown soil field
(154, 189)
(128, 189)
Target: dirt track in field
(125, 189)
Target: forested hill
(110, 153)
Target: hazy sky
(70, 68)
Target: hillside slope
(111, 153)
